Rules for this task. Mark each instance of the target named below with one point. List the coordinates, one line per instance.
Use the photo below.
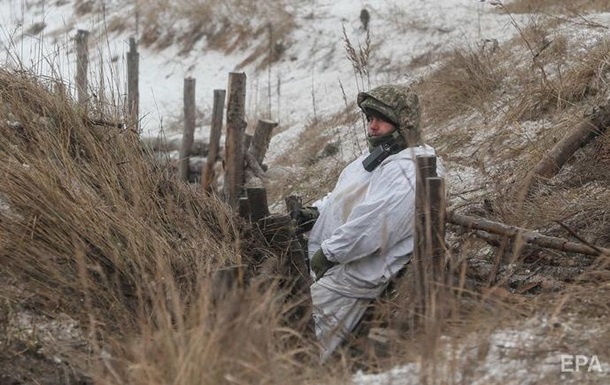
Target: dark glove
(319, 264)
(305, 218)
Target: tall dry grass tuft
(92, 226)
(75, 188)
(465, 81)
(359, 58)
(241, 341)
(552, 86)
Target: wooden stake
(258, 203)
(133, 89)
(261, 139)
(82, 64)
(422, 249)
(236, 126)
(217, 114)
(189, 129)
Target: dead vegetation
(96, 235)
(225, 26)
(565, 7)
(92, 229)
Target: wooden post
(189, 129)
(258, 203)
(247, 141)
(244, 208)
(133, 91)
(260, 141)
(217, 114)
(82, 64)
(436, 200)
(426, 168)
(236, 126)
(435, 233)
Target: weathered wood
(255, 153)
(583, 133)
(133, 88)
(244, 208)
(261, 139)
(254, 166)
(217, 114)
(436, 304)
(426, 167)
(524, 235)
(236, 126)
(247, 141)
(189, 129)
(436, 233)
(82, 65)
(258, 203)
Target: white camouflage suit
(366, 225)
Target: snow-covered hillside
(310, 78)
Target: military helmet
(399, 105)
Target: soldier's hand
(305, 218)
(319, 264)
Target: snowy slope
(312, 71)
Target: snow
(313, 69)
(307, 83)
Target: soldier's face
(378, 126)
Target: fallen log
(527, 236)
(589, 129)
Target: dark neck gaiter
(374, 141)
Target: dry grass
(541, 78)
(567, 7)
(465, 81)
(92, 227)
(225, 26)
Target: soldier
(363, 235)
(365, 17)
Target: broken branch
(582, 134)
(525, 235)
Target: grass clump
(93, 227)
